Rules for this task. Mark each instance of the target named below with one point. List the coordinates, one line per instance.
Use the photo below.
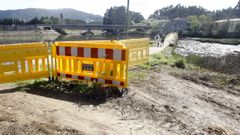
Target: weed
(180, 63)
(173, 60)
(137, 75)
(191, 68)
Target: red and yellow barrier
(97, 61)
(104, 62)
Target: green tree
(199, 25)
(34, 21)
(115, 15)
(54, 20)
(71, 21)
(46, 20)
(118, 16)
(10, 21)
(178, 11)
(136, 17)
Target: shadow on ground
(78, 93)
(7, 91)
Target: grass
(189, 68)
(133, 75)
(159, 59)
(210, 78)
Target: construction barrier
(20, 62)
(138, 50)
(104, 62)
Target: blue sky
(146, 7)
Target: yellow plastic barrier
(104, 62)
(97, 61)
(23, 62)
(138, 50)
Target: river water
(29, 39)
(192, 47)
(215, 56)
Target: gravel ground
(158, 104)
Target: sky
(146, 7)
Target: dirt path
(158, 104)
(153, 50)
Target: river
(41, 38)
(215, 56)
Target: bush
(61, 31)
(180, 63)
(193, 59)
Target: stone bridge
(88, 28)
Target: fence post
(48, 61)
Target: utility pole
(127, 18)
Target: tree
(178, 11)
(238, 5)
(237, 9)
(136, 17)
(10, 21)
(178, 25)
(118, 16)
(225, 14)
(199, 25)
(34, 21)
(72, 21)
(55, 20)
(115, 15)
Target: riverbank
(227, 41)
(12, 37)
(213, 56)
(28, 33)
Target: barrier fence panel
(20, 62)
(104, 62)
(138, 50)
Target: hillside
(30, 13)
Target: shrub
(180, 63)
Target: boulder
(171, 39)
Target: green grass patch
(172, 60)
(133, 75)
(190, 68)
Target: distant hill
(29, 13)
